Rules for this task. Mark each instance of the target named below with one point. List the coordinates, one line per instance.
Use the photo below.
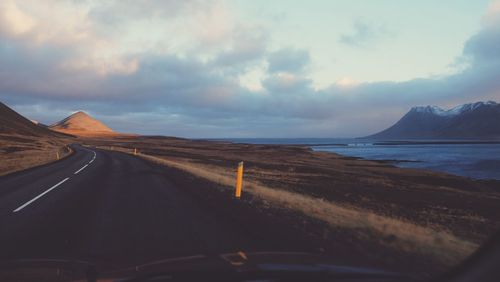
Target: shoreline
(466, 165)
(352, 141)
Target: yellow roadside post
(57, 154)
(239, 180)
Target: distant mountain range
(468, 121)
(79, 124)
(479, 120)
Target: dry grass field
(436, 215)
(24, 144)
(19, 152)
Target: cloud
(118, 12)
(288, 60)
(190, 85)
(491, 15)
(15, 21)
(247, 44)
(484, 46)
(363, 35)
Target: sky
(246, 68)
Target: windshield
(357, 138)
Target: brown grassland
(19, 152)
(428, 215)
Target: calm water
(470, 160)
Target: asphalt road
(117, 209)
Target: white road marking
(93, 158)
(53, 187)
(76, 172)
(39, 196)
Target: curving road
(113, 209)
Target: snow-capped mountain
(454, 111)
(475, 120)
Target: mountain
(24, 144)
(475, 120)
(38, 123)
(81, 123)
(13, 123)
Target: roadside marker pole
(57, 154)
(135, 151)
(239, 180)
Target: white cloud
(102, 66)
(252, 80)
(13, 20)
(213, 25)
(103, 36)
(197, 64)
(346, 81)
(491, 16)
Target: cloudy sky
(246, 68)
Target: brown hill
(13, 123)
(24, 144)
(81, 123)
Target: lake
(481, 161)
